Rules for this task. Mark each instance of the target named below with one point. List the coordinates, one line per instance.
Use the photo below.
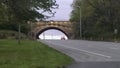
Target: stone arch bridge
(63, 26)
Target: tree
(99, 17)
(3, 11)
(28, 9)
(21, 11)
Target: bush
(8, 34)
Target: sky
(52, 34)
(64, 10)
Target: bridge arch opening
(52, 33)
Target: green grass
(30, 54)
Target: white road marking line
(88, 52)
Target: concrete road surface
(89, 53)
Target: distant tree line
(100, 19)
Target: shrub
(8, 34)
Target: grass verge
(30, 54)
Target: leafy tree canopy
(13, 12)
(28, 9)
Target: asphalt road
(89, 53)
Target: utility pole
(80, 22)
(115, 32)
(44, 35)
(30, 34)
(31, 30)
(19, 34)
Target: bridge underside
(41, 31)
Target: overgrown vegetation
(100, 19)
(30, 54)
